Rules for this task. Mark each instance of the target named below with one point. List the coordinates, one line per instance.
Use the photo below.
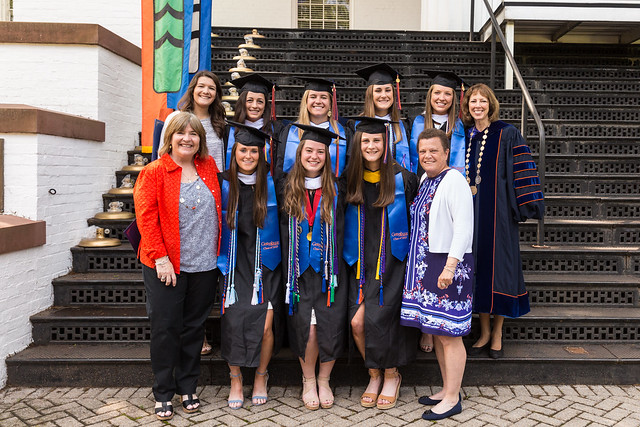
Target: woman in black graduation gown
(377, 193)
(250, 256)
(382, 102)
(312, 247)
(506, 190)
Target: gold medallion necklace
(478, 180)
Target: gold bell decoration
(139, 163)
(214, 35)
(248, 43)
(233, 95)
(115, 212)
(100, 241)
(254, 34)
(126, 187)
(241, 67)
(228, 111)
(244, 54)
(234, 75)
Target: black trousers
(177, 317)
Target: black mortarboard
(250, 136)
(254, 83)
(446, 78)
(317, 84)
(379, 74)
(317, 134)
(372, 124)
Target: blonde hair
(303, 114)
(451, 121)
(178, 123)
(483, 90)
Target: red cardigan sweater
(157, 201)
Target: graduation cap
(250, 136)
(323, 85)
(381, 74)
(256, 83)
(372, 124)
(446, 78)
(318, 134)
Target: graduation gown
(387, 344)
(331, 322)
(242, 324)
(509, 193)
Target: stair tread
(100, 313)
(634, 250)
(139, 352)
(91, 278)
(592, 222)
(582, 313)
(565, 279)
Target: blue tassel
(324, 285)
(381, 297)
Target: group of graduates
(332, 229)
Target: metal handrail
(526, 97)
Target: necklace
(198, 187)
(478, 180)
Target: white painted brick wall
(88, 81)
(122, 17)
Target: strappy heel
(240, 401)
(374, 374)
(323, 382)
(391, 399)
(264, 374)
(309, 385)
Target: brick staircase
(584, 326)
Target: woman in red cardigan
(177, 201)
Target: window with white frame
(323, 14)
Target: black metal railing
(527, 101)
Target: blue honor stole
(269, 234)
(338, 152)
(231, 142)
(457, 152)
(398, 227)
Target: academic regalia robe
(509, 192)
(387, 344)
(331, 322)
(242, 324)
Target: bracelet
(166, 260)
(449, 270)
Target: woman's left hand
(445, 279)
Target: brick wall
(120, 16)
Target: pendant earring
(329, 113)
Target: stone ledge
(63, 33)
(20, 118)
(20, 233)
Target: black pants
(177, 317)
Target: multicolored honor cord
(292, 295)
(360, 265)
(258, 297)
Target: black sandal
(190, 401)
(166, 407)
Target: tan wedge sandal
(309, 385)
(323, 382)
(374, 374)
(391, 399)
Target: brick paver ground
(482, 406)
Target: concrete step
(592, 207)
(128, 365)
(583, 232)
(99, 289)
(578, 260)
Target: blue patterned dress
(424, 305)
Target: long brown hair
(355, 172)
(260, 195)
(484, 90)
(241, 112)
(369, 110)
(179, 122)
(451, 121)
(294, 191)
(216, 110)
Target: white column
(4, 10)
(509, 33)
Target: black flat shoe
(426, 400)
(478, 351)
(496, 354)
(429, 415)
